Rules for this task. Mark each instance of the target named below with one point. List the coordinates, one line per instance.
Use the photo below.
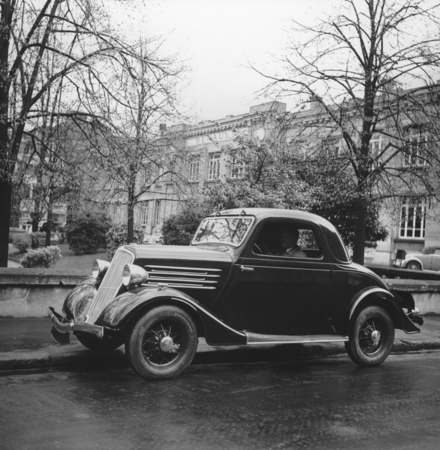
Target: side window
(287, 239)
(437, 251)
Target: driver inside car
(289, 240)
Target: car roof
(264, 213)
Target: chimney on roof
(314, 102)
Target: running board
(258, 339)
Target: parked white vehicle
(429, 259)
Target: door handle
(246, 269)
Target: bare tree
(77, 36)
(371, 72)
(138, 152)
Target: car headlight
(99, 268)
(133, 275)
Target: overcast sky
(218, 39)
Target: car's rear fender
(413, 259)
(376, 296)
(125, 310)
(405, 299)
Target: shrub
(179, 229)
(86, 233)
(42, 257)
(22, 242)
(117, 236)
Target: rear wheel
(163, 343)
(94, 343)
(413, 265)
(371, 338)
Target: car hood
(200, 272)
(181, 252)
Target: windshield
(224, 230)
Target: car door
(272, 294)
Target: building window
(412, 219)
(194, 167)
(414, 153)
(214, 166)
(157, 213)
(144, 214)
(237, 168)
(376, 146)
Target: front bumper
(62, 327)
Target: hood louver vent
(183, 277)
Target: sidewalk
(27, 344)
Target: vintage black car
(233, 286)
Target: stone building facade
(411, 225)
(205, 161)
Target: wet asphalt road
(319, 404)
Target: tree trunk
(35, 221)
(130, 225)
(49, 218)
(5, 207)
(5, 169)
(359, 231)
(130, 215)
(36, 215)
(130, 205)
(14, 220)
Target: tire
(162, 344)
(413, 265)
(371, 337)
(99, 345)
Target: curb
(76, 357)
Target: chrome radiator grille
(183, 277)
(110, 285)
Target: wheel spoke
(151, 344)
(366, 342)
(162, 342)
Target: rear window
(336, 244)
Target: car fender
(381, 297)
(127, 307)
(413, 258)
(78, 301)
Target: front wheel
(163, 343)
(371, 338)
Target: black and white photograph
(219, 224)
